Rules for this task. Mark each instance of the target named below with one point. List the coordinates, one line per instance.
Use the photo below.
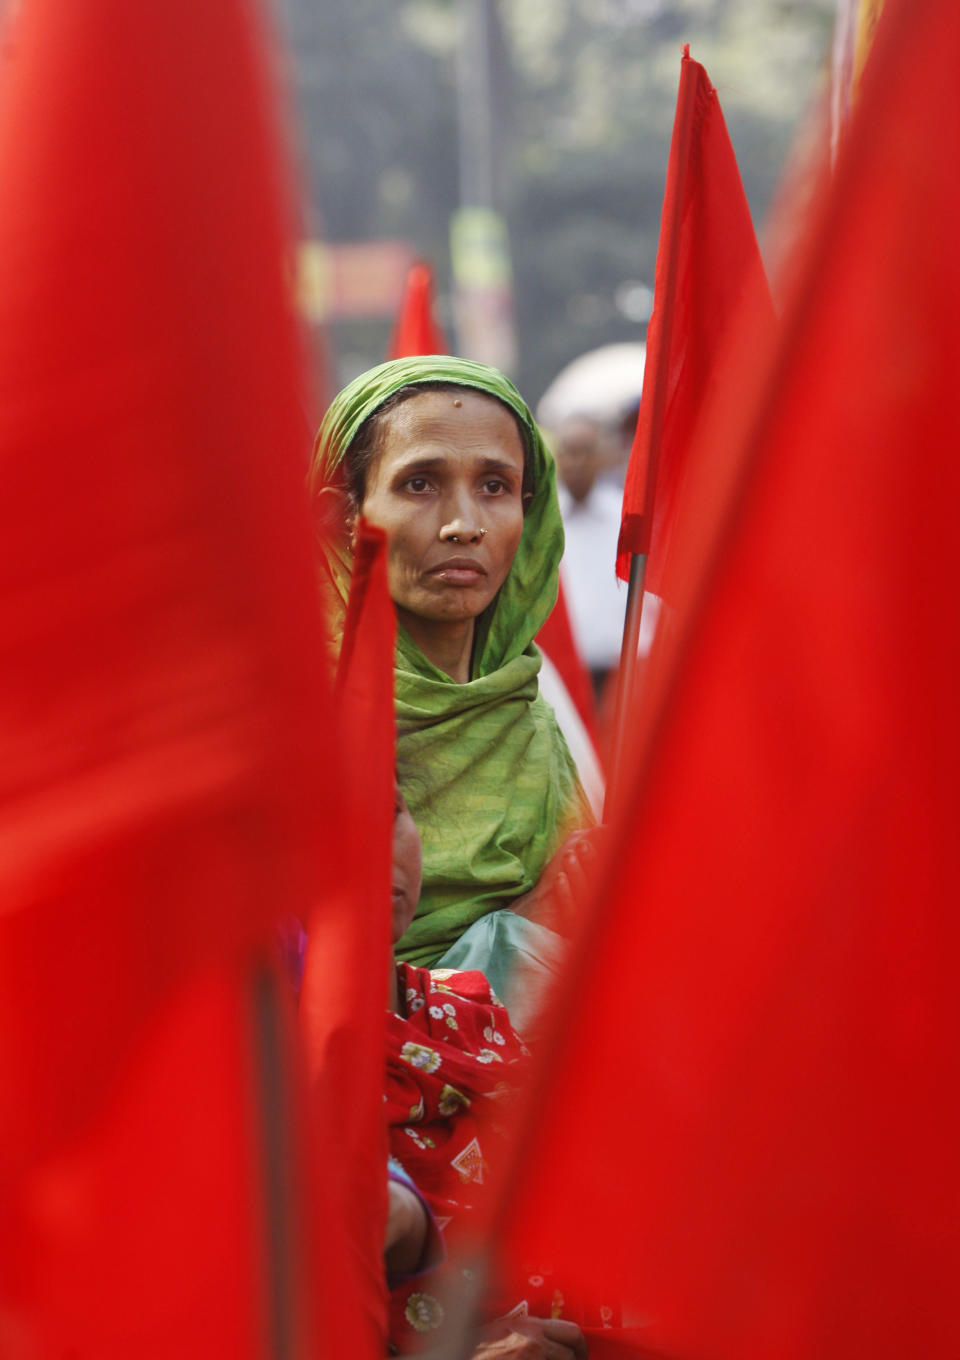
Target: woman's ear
(351, 519)
(338, 514)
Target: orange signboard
(351, 279)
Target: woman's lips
(459, 571)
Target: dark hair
(367, 444)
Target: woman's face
(407, 866)
(447, 489)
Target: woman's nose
(461, 529)
(460, 522)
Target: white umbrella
(604, 383)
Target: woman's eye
(494, 486)
(417, 484)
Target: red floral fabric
(454, 1062)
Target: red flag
(168, 786)
(148, 1234)
(708, 262)
(154, 582)
(416, 331)
(753, 1106)
(557, 640)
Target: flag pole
(659, 371)
(626, 675)
(278, 1196)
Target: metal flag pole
(626, 676)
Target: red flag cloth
(416, 331)
(752, 1105)
(344, 996)
(156, 672)
(141, 1236)
(708, 261)
(557, 640)
(169, 781)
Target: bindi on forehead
(430, 410)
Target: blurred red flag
(170, 781)
(752, 1095)
(708, 261)
(416, 331)
(151, 1232)
(344, 998)
(156, 673)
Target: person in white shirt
(590, 505)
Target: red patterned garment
(454, 1062)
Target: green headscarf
(483, 765)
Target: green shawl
(483, 765)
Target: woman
(453, 1062)
(445, 456)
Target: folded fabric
(519, 958)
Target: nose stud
(455, 538)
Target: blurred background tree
(581, 96)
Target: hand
(511, 1338)
(406, 1232)
(565, 885)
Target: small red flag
(557, 641)
(708, 262)
(416, 331)
(751, 1100)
